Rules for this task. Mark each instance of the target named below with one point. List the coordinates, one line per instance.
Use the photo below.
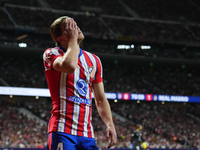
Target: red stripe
(90, 95)
(49, 141)
(61, 52)
(53, 77)
(98, 77)
(89, 127)
(46, 64)
(81, 120)
(70, 104)
(90, 64)
(82, 106)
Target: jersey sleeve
(99, 71)
(49, 56)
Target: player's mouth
(79, 32)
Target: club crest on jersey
(91, 71)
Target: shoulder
(47, 53)
(53, 51)
(91, 54)
(47, 50)
(135, 132)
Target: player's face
(140, 128)
(80, 35)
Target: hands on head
(70, 29)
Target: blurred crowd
(161, 80)
(110, 26)
(122, 78)
(17, 130)
(33, 3)
(106, 25)
(164, 125)
(44, 41)
(100, 7)
(179, 10)
(23, 72)
(135, 49)
(28, 22)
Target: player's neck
(65, 47)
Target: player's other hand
(111, 136)
(70, 29)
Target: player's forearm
(104, 110)
(70, 58)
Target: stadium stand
(33, 3)
(99, 7)
(152, 31)
(166, 121)
(172, 126)
(17, 131)
(109, 27)
(19, 73)
(170, 27)
(180, 10)
(117, 78)
(5, 22)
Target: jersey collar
(81, 51)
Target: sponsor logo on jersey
(82, 87)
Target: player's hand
(70, 29)
(111, 136)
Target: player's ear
(59, 39)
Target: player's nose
(78, 28)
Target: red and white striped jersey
(71, 93)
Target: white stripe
(85, 131)
(92, 58)
(55, 51)
(76, 107)
(91, 124)
(86, 72)
(61, 123)
(76, 78)
(101, 67)
(92, 130)
(83, 62)
(94, 62)
(76, 112)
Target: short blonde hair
(138, 126)
(56, 30)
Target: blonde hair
(138, 126)
(55, 29)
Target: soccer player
(71, 74)
(137, 137)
